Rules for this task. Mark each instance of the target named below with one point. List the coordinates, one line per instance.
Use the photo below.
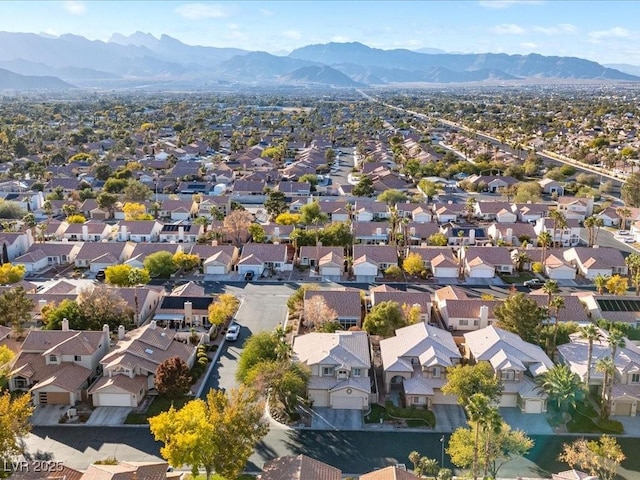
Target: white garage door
(346, 403)
(114, 400)
(623, 409)
(509, 400)
(533, 406)
(215, 270)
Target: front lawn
(584, 419)
(517, 277)
(413, 417)
(377, 412)
(160, 404)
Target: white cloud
(292, 34)
(615, 32)
(508, 29)
(199, 11)
(529, 45)
(498, 4)
(560, 29)
(340, 39)
(74, 7)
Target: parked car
(232, 333)
(100, 275)
(248, 276)
(533, 283)
(624, 232)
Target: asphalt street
(354, 452)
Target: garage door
(509, 400)
(622, 409)
(114, 400)
(54, 398)
(440, 398)
(533, 406)
(215, 270)
(347, 403)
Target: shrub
(537, 267)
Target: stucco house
(370, 261)
(340, 364)
(590, 262)
(516, 362)
(416, 360)
(262, 257)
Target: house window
(463, 322)
(356, 372)
(508, 375)
(77, 358)
(20, 382)
(327, 371)
(435, 372)
(53, 358)
(416, 400)
(635, 378)
(476, 323)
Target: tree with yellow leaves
(218, 434)
(11, 273)
(136, 211)
(14, 424)
(617, 285)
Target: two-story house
(340, 364)
(516, 362)
(416, 361)
(591, 262)
(57, 366)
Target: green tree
(185, 261)
(466, 380)
(477, 408)
(544, 240)
(102, 305)
(160, 264)
(135, 191)
(337, 234)
(600, 281)
(52, 315)
(16, 308)
(107, 201)
(633, 265)
(599, 458)
(630, 191)
(438, 240)
(218, 434)
(521, 315)
(258, 348)
(284, 381)
(591, 334)
(15, 413)
(392, 197)
(383, 319)
(364, 187)
(173, 378)
(223, 309)
(276, 204)
(258, 235)
(561, 384)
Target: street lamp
(442, 452)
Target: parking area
(324, 418)
(108, 416)
(449, 417)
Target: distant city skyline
(603, 31)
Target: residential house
(416, 360)
(626, 385)
(371, 261)
(467, 313)
(129, 471)
(448, 212)
(591, 262)
(330, 260)
(248, 188)
(512, 233)
(336, 210)
(485, 262)
(490, 183)
(371, 233)
(501, 212)
(180, 232)
(516, 362)
(389, 473)
(568, 236)
(298, 468)
(278, 233)
(262, 257)
(573, 310)
(419, 233)
(464, 234)
(575, 208)
(368, 210)
(186, 307)
(440, 261)
(299, 189)
(17, 243)
(139, 231)
(406, 300)
(345, 303)
(99, 256)
(530, 212)
(129, 369)
(220, 259)
(214, 203)
(416, 212)
(91, 231)
(177, 210)
(57, 366)
(340, 364)
(43, 255)
(551, 186)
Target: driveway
(325, 418)
(109, 416)
(48, 414)
(531, 423)
(631, 425)
(449, 417)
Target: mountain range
(142, 60)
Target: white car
(232, 333)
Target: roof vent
(148, 351)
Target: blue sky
(604, 31)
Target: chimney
(181, 233)
(276, 231)
(484, 316)
(41, 304)
(188, 313)
(29, 237)
(153, 325)
(472, 236)
(85, 233)
(123, 233)
(106, 332)
(121, 332)
(509, 235)
(65, 325)
(214, 243)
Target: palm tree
(633, 265)
(590, 224)
(561, 384)
(556, 304)
(136, 278)
(600, 281)
(544, 240)
(623, 213)
(616, 340)
(551, 288)
(591, 334)
(491, 424)
(477, 408)
(606, 366)
(522, 257)
(559, 221)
